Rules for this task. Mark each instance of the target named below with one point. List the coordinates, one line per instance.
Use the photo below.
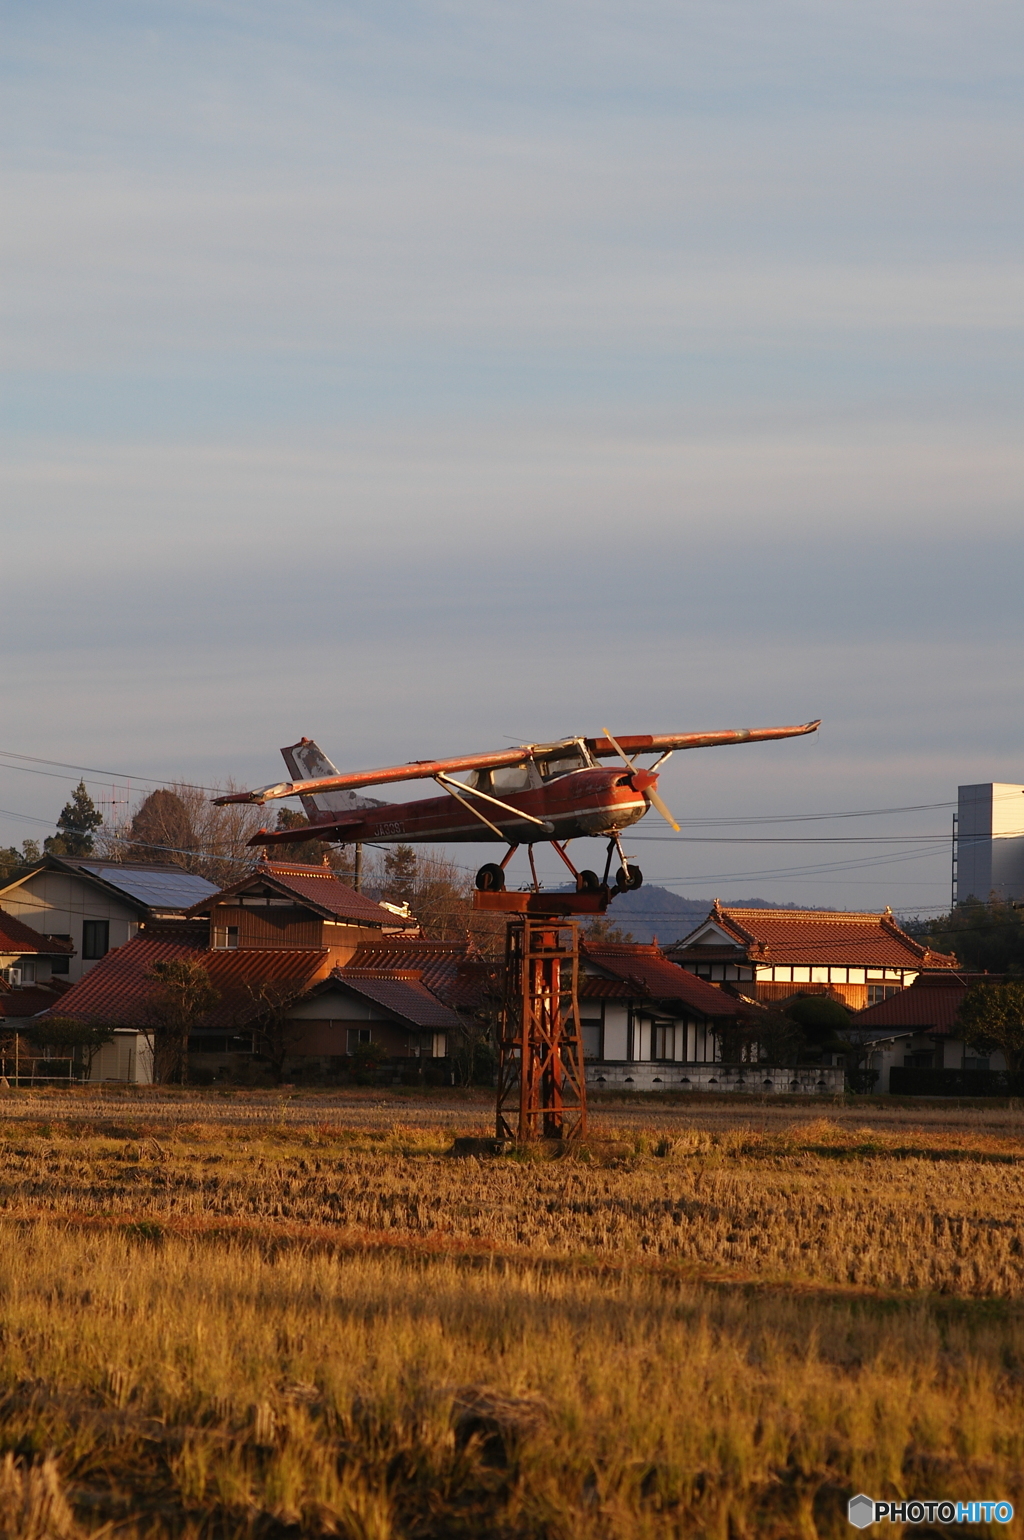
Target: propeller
(645, 781)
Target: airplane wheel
(490, 878)
(588, 882)
(628, 882)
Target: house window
(879, 992)
(225, 937)
(95, 939)
(976, 1064)
(440, 1045)
(922, 1059)
(664, 1043)
(357, 1035)
(59, 964)
(591, 1029)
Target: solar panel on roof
(156, 889)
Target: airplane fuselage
(582, 802)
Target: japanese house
(649, 1024)
(292, 944)
(771, 954)
(32, 968)
(914, 1045)
(95, 905)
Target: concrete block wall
(752, 1079)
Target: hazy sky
(425, 377)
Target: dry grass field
(249, 1317)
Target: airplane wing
(601, 748)
(427, 769)
(415, 770)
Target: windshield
(549, 768)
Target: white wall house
(97, 905)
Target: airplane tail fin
(306, 761)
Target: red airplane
(551, 792)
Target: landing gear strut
(491, 876)
(628, 878)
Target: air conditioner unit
(13, 977)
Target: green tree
(986, 937)
(308, 852)
(399, 885)
(992, 1016)
(823, 1021)
(182, 995)
(780, 1040)
(12, 860)
(78, 822)
(603, 929)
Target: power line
(787, 839)
(117, 775)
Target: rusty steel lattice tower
(542, 1092)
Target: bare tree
(182, 995)
(439, 894)
(178, 825)
(275, 1033)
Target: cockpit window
(510, 778)
(549, 768)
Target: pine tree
(78, 821)
(400, 875)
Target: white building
(990, 841)
(93, 905)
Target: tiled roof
(117, 989)
(929, 1004)
(403, 994)
(315, 886)
(450, 969)
(17, 1003)
(594, 988)
(817, 936)
(16, 936)
(653, 975)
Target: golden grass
(213, 1331)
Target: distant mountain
(652, 912)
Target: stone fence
(754, 1079)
